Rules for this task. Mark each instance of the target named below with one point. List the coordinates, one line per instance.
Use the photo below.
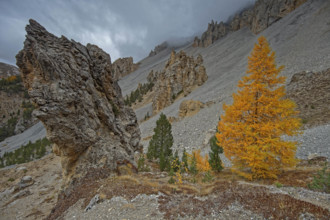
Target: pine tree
(162, 162)
(215, 161)
(251, 128)
(162, 141)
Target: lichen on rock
(79, 102)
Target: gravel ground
(141, 207)
(147, 207)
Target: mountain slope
(301, 41)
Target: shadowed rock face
(79, 102)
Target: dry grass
(147, 138)
(197, 198)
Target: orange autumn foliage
(202, 163)
(251, 129)
(11, 78)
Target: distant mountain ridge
(7, 70)
(263, 14)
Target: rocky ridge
(123, 66)
(159, 48)
(80, 104)
(7, 70)
(182, 73)
(263, 14)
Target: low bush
(321, 181)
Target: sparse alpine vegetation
(26, 153)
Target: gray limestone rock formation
(181, 74)
(263, 14)
(123, 66)
(79, 102)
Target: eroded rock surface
(181, 75)
(311, 92)
(79, 103)
(263, 14)
(190, 108)
(123, 66)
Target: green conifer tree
(215, 160)
(162, 141)
(184, 158)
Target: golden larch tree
(251, 129)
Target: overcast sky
(120, 27)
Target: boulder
(80, 104)
(189, 108)
(25, 182)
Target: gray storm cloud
(120, 27)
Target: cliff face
(123, 66)
(311, 92)
(263, 14)
(181, 74)
(79, 102)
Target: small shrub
(114, 108)
(177, 168)
(193, 165)
(208, 177)
(11, 179)
(147, 116)
(184, 159)
(142, 167)
(321, 181)
(278, 184)
(171, 180)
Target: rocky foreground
(29, 191)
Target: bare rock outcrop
(80, 104)
(311, 92)
(159, 48)
(189, 108)
(123, 66)
(181, 75)
(263, 14)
